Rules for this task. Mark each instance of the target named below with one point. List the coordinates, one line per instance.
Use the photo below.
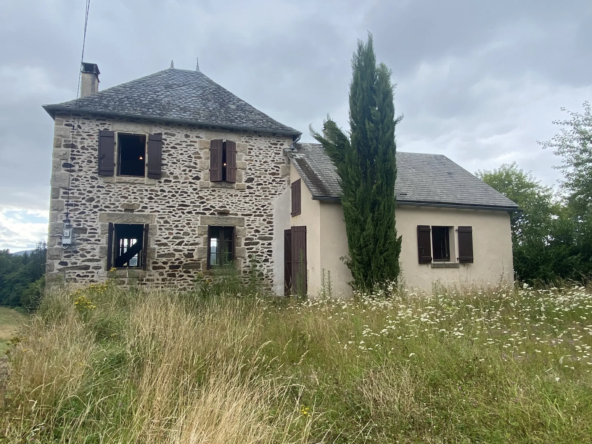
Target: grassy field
(10, 321)
(108, 365)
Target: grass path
(10, 321)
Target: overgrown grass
(10, 321)
(132, 366)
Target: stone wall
(179, 207)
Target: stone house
(169, 175)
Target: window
(441, 243)
(296, 197)
(220, 246)
(126, 246)
(133, 155)
(222, 161)
(131, 150)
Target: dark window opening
(441, 243)
(128, 244)
(132, 154)
(220, 246)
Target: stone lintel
(132, 127)
(127, 218)
(222, 221)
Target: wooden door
(299, 265)
(287, 262)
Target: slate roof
(422, 179)
(179, 96)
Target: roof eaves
(458, 205)
(52, 109)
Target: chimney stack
(89, 79)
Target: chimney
(89, 79)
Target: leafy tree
(573, 144)
(534, 199)
(549, 243)
(366, 165)
(22, 277)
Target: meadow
(10, 321)
(105, 364)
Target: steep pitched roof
(176, 95)
(422, 179)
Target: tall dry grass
(105, 364)
(146, 367)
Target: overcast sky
(477, 81)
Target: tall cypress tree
(366, 165)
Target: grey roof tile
(176, 95)
(421, 178)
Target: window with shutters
(441, 244)
(296, 197)
(127, 245)
(221, 245)
(223, 161)
(131, 150)
(135, 155)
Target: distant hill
(20, 253)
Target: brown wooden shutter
(465, 245)
(287, 262)
(296, 197)
(110, 247)
(234, 245)
(106, 153)
(155, 156)
(424, 244)
(299, 265)
(145, 247)
(230, 161)
(216, 147)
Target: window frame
(447, 241)
(232, 240)
(118, 152)
(226, 168)
(114, 246)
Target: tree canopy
(573, 143)
(22, 277)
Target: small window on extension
(128, 245)
(220, 246)
(132, 154)
(441, 243)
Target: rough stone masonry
(179, 206)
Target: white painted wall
(492, 248)
(333, 248)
